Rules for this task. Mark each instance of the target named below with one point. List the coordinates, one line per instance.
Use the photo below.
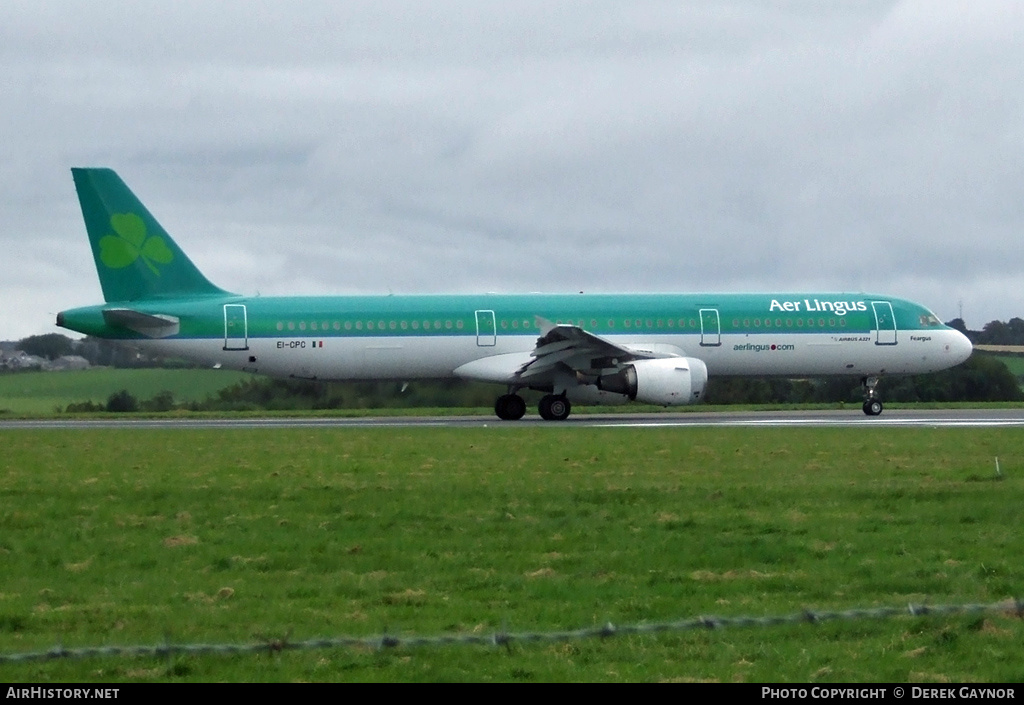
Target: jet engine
(672, 381)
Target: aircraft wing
(562, 349)
(568, 348)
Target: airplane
(576, 348)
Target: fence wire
(1014, 607)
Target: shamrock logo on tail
(131, 242)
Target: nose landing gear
(872, 404)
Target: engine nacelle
(672, 381)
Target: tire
(872, 407)
(510, 407)
(516, 407)
(554, 408)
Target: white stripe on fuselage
(435, 357)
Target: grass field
(137, 536)
(1015, 363)
(42, 392)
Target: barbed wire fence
(1013, 607)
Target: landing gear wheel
(554, 408)
(510, 407)
(872, 407)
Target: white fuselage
(385, 357)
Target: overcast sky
(351, 147)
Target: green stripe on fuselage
(456, 315)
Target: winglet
(135, 257)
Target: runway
(968, 418)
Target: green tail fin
(135, 257)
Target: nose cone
(959, 347)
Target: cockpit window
(929, 319)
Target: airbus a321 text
(576, 348)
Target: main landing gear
(510, 407)
(872, 404)
(552, 407)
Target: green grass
(134, 536)
(1015, 363)
(42, 392)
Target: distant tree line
(124, 401)
(267, 394)
(981, 378)
(994, 332)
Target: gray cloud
(457, 146)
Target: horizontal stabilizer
(147, 324)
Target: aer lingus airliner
(585, 348)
